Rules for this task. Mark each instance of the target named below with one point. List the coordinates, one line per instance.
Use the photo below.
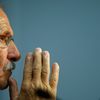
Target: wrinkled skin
(38, 83)
(9, 53)
(36, 77)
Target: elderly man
(36, 84)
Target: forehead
(5, 28)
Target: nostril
(13, 57)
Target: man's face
(8, 51)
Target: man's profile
(8, 51)
(38, 83)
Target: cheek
(3, 56)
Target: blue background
(70, 30)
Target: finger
(37, 64)
(54, 76)
(13, 89)
(28, 67)
(46, 67)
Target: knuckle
(53, 84)
(36, 68)
(53, 80)
(44, 71)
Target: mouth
(7, 68)
(10, 66)
(5, 74)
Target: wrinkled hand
(36, 84)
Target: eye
(2, 41)
(8, 40)
(5, 40)
(2, 38)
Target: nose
(13, 52)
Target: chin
(4, 81)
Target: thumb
(13, 89)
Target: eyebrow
(6, 34)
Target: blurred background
(70, 31)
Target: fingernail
(56, 66)
(29, 55)
(38, 49)
(46, 53)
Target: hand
(13, 89)
(36, 84)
